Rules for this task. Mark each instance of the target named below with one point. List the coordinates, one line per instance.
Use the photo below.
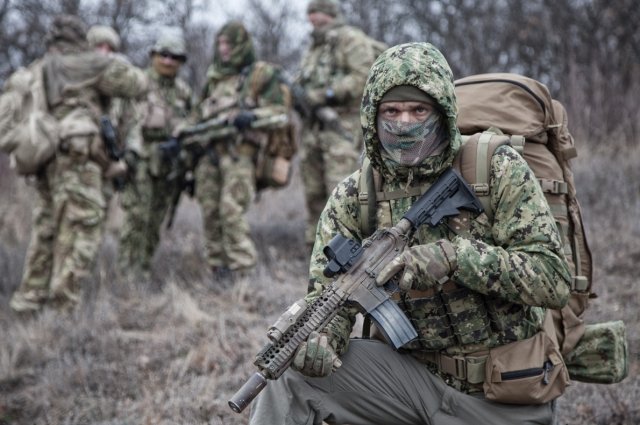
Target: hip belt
(468, 368)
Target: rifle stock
(356, 266)
(110, 140)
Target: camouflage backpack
(498, 109)
(28, 133)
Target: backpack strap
(367, 198)
(474, 161)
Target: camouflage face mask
(411, 143)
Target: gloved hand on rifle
(316, 357)
(422, 266)
(243, 120)
(170, 148)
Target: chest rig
(453, 315)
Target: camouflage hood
(420, 65)
(242, 55)
(67, 34)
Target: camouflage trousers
(67, 231)
(145, 202)
(225, 192)
(327, 157)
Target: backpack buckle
(480, 189)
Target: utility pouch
(78, 131)
(273, 171)
(530, 371)
(601, 355)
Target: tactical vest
(454, 315)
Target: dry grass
(174, 351)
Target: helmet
(171, 43)
(99, 34)
(330, 7)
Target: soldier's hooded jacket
(242, 82)
(509, 269)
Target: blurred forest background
(174, 351)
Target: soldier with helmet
(103, 38)
(147, 199)
(70, 205)
(122, 114)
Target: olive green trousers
(376, 385)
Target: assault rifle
(326, 116)
(111, 143)
(205, 133)
(357, 266)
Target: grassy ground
(175, 349)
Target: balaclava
(411, 143)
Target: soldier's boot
(222, 276)
(25, 303)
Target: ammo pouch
(601, 355)
(158, 166)
(454, 315)
(530, 371)
(272, 171)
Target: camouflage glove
(422, 266)
(316, 97)
(316, 357)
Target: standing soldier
(332, 77)
(70, 201)
(147, 200)
(242, 89)
(121, 114)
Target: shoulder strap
(474, 161)
(367, 197)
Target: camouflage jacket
(338, 59)
(166, 108)
(257, 87)
(512, 264)
(86, 78)
(79, 87)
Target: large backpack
(498, 109)
(28, 132)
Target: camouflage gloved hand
(316, 97)
(422, 266)
(316, 357)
